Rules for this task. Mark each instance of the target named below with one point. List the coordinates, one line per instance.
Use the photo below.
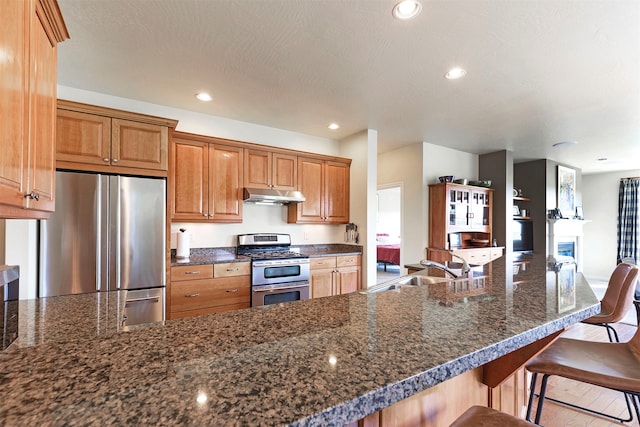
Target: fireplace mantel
(562, 230)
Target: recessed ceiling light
(204, 96)
(602, 159)
(564, 144)
(334, 126)
(407, 9)
(455, 73)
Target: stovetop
(265, 246)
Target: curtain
(629, 219)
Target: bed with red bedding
(387, 253)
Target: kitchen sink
(403, 282)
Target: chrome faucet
(465, 266)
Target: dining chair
(611, 365)
(617, 300)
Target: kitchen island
(325, 361)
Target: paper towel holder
(183, 245)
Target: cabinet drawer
(208, 310)
(191, 272)
(348, 260)
(232, 269)
(475, 256)
(198, 294)
(322, 262)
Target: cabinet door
(348, 280)
(459, 212)
(139, 145)
(311, 184)
(190, 183)
(225, 183)
(83, 138)
(285, 172)
(322, 283)
(13, 103)
(479, 208)
(336, 188)
(257, 168)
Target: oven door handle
(279, 288)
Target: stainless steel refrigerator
(107, 233)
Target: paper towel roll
(184, 241)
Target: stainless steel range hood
(272, 196)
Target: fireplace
(565, 239)
(567, 248)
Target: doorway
(388, 232)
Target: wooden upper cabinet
(189, 181)
(83, 138)
(225, 183)
(139, 145)
(325, 186)
(265, 169)
(105, 140)
(205, 180)
(29, 35)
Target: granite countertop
(199, 256)
(324, 361)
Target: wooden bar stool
(481, 416)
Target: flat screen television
(522, 235)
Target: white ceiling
(538, 71)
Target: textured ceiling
(538, 71)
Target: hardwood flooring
(600, 399)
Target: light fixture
(203, 96)
(455, 73)
(564, 144)
(202, 398)
(407, 9)
(602, 159)
(334, 126)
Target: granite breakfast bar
(326, 361)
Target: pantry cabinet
(335, 275)
(460, 223)
(209, 288)
(205, 180)
(266, 169)
(105, 140)
(325, 186)
(29, 35)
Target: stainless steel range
(278, 274)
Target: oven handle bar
(257, 289)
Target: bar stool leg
(543, 391)
(532, 393)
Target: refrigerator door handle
(118, 194)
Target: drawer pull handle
(192, 272)
(197, 294)
(233, 291)
(233, 269)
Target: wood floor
(556, 415)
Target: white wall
(362, 148)
(600, 205)
(389, 214)
(404, 166)
(21, 249)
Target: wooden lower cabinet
(440, 405)
(335, 275)
(206, 289)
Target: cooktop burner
(266, 246)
